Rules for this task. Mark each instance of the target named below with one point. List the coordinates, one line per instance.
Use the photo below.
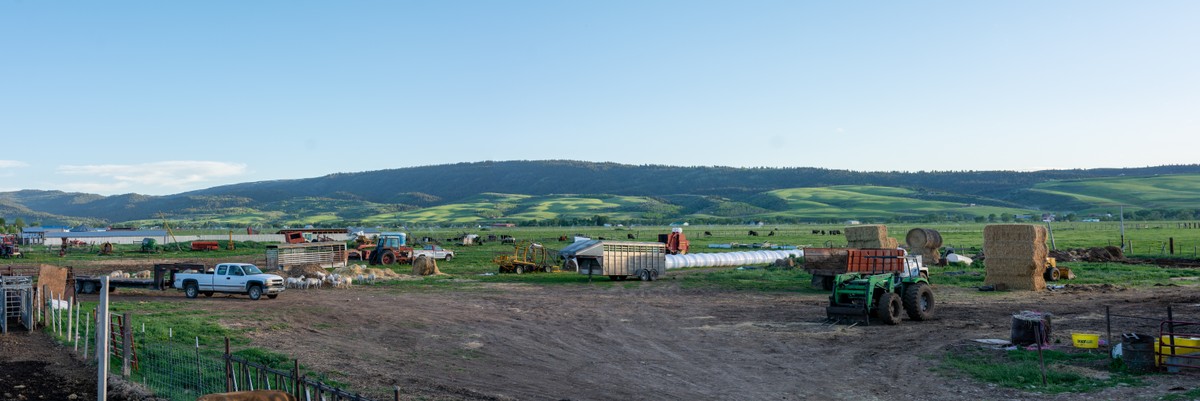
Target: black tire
(208, 294)
(645, 276)
(448, 257)
(654, 275)
(272, 296)
(387, 258)
(1053, 274)
(519, 269)
(827, 283)
(918, 302)
(191, 290)
(89, 287)
(890, 308)
(255, 292)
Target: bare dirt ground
(658, 341)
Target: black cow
(771, 234)
(630, 236)
(753, 233)
(708, 233)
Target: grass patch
(1193, 394)
(1019, 369)
(1086, 273)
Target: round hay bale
(923, 238)
(425, 266)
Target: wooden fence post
(126, 344)
(228, 368)
(296, 378)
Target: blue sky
(163, 97)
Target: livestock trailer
(617, 259)
(16, 294)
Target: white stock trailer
(618, 260)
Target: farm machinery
(527, 257)
(9, 247)
(879, 283)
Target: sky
(153, 97)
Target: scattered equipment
(676, 242)
(881, 285)
(148, 245)
(9, 247)
(526, 257)
(1054, 272)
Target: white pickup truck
(230, 278)
(434, 251)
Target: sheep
(312, 283)
(293, 282)
(117, 274)
(143, 274)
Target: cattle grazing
(630, 236)
(708, 233)
(753, 233)
(771, 234)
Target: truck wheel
(272, 296)
(387, 258)
(918, 302)
(255, 292)
(448, 257)
(89, 287)
(190, 290)
(889, 308)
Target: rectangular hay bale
(870, 232)
(1015, 255)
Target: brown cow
(256, 395)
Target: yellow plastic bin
(1085, 340)
(1183, 346)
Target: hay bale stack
(425, 266)
(869, 236)
(1016, 256)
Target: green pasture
(1161, 192)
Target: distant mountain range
(563, 191)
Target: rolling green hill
(573, 192)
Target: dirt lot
(658, 341)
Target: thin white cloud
(12, 164)
(149, 177)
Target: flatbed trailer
(164, 275)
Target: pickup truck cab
(435, 252)
(230, 278)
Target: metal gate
(16, 293)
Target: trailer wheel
(889, 308)
(653, 275)
(190, 290)
(645, 276)
(89, 287)
(255, 292)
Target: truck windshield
(251, 269)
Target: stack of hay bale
(925, 242)
(870, 236)
(1016, 256)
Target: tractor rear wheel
(918, 301)
(387, 258)
(889, 308)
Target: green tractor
(885, 287)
